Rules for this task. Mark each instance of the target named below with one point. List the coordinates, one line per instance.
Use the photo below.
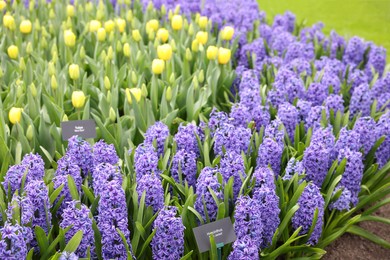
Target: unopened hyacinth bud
(232, 166)
(151, 185)
(113, 215)
(310, 201)
(77, 217)
(158, 134)
(169, 234)
(184, 167)
(248, 221)
(204, 199)
(81, 153)
(270, 154)
(104, 153)
(12, 242)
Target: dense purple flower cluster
(154, 192)
(204, 200)
(63, 180)
(102, 175)
(270, 153)
(361, 100)
(13, 178)
(168, 242)
(248, 220)
(104, 153)
(78, 217)
(145, 160)
(383, 129)
(289, 115)
(232, 166)
(81, 152)
(113, 215)
(158, 134)
(335, 102)
(184, 167)
(67, 166)
(244, 249)
(293, 167)
(186, 138)
(264, 177)
(310, 201)
(316, 161)
(365, 127)
(229, 138)
(12, 243)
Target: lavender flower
(154, 192)
(232, 165)
(104, 153)
(248, 220)
(207, 180)
(12, 244)
(365, 126)
(361, 100)
(168, 242)
(270, 153)
(113, 215)
(310, 200)
(145, 160)
(77, 216)
(230, 138)
(186, 138)
(103, 174)
(184, 167)
(158, 133)
(269, 208)
(81, 152)
(289, 115)
(244, 249)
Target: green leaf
(55, 193)
(367, 235)
(42, 240)
(74, 242)
(187, 256)
(73, 188)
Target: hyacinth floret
(103, 174)
(186, 138)
(168, 242)
(289, 116)
(157, 133)
(232, 165)
(310, 200)
(184, 167)
(104, 153)
(365, 126)
(81, 152)
(154, 192)
(232, 139)
(12, 243)
(270, 153)
(244, 249)
(145, 160)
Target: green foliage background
(369, 19)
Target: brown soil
(354, 247)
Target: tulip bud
(37, 25)
(15, 115)
(163, 34)
(82, 53)
(101, 34)
(1, 73)
(33, 90)
(112, 115)
(99, 14)
(9, 21)
(203, 20)
(103, 56)
(78, 99)
(107, 83)
(74, 71)
(13, 52)
(185, 24)
(126, 50)
(121, 24)
(129, 16)
(109, 26)
(53, 82)
(195, 82)
(172, 78)
(202, 37)
(69, 38)
(70, 10)
(135, 92)
(29, 48)
(19, 89)
(163, 10)
(44, 43)
(177, 22)
(110, 53)
(212, 52)
(138, 57)
(94, 25)
(168, 94)
(136, 35)
(152, 25)
(144, 90)
(188, 54)
(191, 30)
(124, 37)
(118, 46)
(65, 118)
(22, 64)
(25, 27)
(223, 55)
(52, 15)
(201, 76)
(134, 79)
(173, 44)
(158, 66)
(227, 33)
(3, 5)
(88, 7)
(195, 45)
(164, 52)
(30, 133)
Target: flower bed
(292, 145)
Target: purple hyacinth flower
(63, 179)
(347, 139)
(270, 153)
(244, 249)
(13, 178)
(264, 177)
(343, 202)
(335, 103)
(354, 51)
(104, 153)
(240, 115)
(376, 60)
(103, 174)
(316, 93)
(231, 138)
(154, 192)
(382, 155)
(289, 115)
(12, 243)
(293, 167)
(232, 165)
(145, 160)
(304, 108)
(184, 167)
(168, 242)
(158, 133)
(365, 126)
(310, 200)
(314, 117)
(356, 78)
(67, 166)
(186, 138)
(316, 160)
(81, 152)
(361, 100)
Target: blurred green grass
(369, 19)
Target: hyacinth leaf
(53, 244)
(328, 177)
(140, 229)
(377, 206)
(373, 197)
(187, 256)
(55, 193)
(30, 254)
(74, 242)
(5, 158)
(378, 177)
(146, 244)
(294, 200)
(139, 218)
(330, 190)
(196, 213)
(213, 248)
(313, 224)
(95, 204)
(73, 188)
(125, 243)
(87, 192)
(375, 218)
(370, 157)
(356, 230)
(42, 240)
(368, 174)
(287, 219)
(278, 251)
(98, 240)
